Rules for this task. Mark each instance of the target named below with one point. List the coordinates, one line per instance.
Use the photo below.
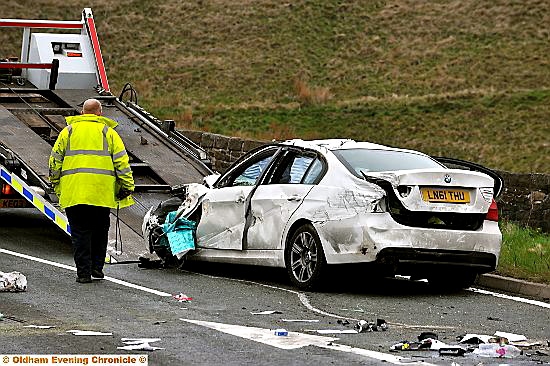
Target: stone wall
(525, 198)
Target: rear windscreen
(383, 160)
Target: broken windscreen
(367, 160)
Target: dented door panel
(271, 208)
(223, 216)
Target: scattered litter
(497, 350)
(301, 320)
(159, 322)
(343, 322)
(452, 351)
(39, 326)
(181, 297)
(13, 282)
(139, 344)
(266, 312)
(425, 335)
(511, 336)
(281, 332)
(476, 338)
(88, 333)
(363, 326)
(424, 344)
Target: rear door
(278, 196)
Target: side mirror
(210, 180)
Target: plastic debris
(511, 336)
(363, 326)
(13, 282)
(266, 312)
(497, 350)
(88, 333)
(139, 344)
(181, 297)
(475, 338)
(281, 332)
(39, 326)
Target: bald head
(92, 106)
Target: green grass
(525, 254)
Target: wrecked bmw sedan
(306, 205)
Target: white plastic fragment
(334, 331)
(266, 312)
(139, 344)
(39, 326)
(13, 282)
(88, 333)
(511, 337)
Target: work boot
(98, 274)
(84, 279)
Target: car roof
(343, 144)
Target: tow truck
(61, 66)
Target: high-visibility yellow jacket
(89, 164)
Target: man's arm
(55, 162)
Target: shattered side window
(249, 176)
(292, 169)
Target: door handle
(294, 198)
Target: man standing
(90, 173)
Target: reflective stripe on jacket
(89, 164)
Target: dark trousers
(89, 235)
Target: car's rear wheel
(304, 258)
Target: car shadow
(339, 279)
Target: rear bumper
(377, 238)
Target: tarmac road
(217, 327)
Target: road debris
(13, 282)
(181, 297)
(266, 312)
(497, 350)
(39, 326)
(139, 344)
(363, 326)
(88, 333)
(281, 332)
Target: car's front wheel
(304, 258)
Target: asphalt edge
(520, 287)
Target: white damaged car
(306, 205)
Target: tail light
(7, 190)
(492, 215)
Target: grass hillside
(463, 78)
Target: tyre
(304, 258)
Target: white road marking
(305, 301)
(70, 268)
(296, 340)
(513, 298)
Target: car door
(278, 196)
(223, 208)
